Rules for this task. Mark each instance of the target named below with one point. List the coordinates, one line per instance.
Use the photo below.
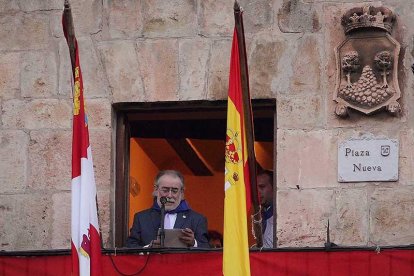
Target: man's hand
(187, 237)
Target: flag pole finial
(69, 30)
(236, 6)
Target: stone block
(392, 216)
(61, 223)
(104, 210)
(306, 67)
(99, 113)
(216, 18)
(257, 15)
(296, 16)
(27, 220)
(56, 29)
(407, 142)
(38, 74)
(24, 31)
(267, 68)
(13, 165)
(9, 75)
(403, 29)
(161, 77)
(94, 79)
(36, 114)
(305, 111)
(7, 222)
(406, 173)
(39, 5)
(87, 16)
(65, 70)
(7, 6)
(270, 65)
(334, 35)
(175, 18)
(50, 160)
(218, 73)
(407, 85)
(125, 18)
(303, 217)
(306, 159)
(349, 227)
(121, 64)
(60, 237)
(100, 141)
(193, 59)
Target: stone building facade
(290, 46)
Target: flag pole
(249, 130)
(69, 31)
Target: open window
(185, 136)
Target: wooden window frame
(125, 113)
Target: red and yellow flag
(237, 183)
(86, 241)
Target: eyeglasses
(167, 190)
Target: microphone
(163, 200)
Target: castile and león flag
(86, 240)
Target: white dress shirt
(268, 234)
(169, 220)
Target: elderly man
(265, 189)
(169, 184)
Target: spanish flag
(86, 240)
(237, 183)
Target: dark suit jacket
(147, 222)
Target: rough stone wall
(156, 50)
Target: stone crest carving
(367, 62)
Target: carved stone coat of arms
(367, 62)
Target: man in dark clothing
(169, 184)
(265, 189)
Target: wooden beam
(190, 157)
(121, 181)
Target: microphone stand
(162, 227)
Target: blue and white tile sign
(368, 159)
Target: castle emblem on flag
(77, 92)
(85, 248)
